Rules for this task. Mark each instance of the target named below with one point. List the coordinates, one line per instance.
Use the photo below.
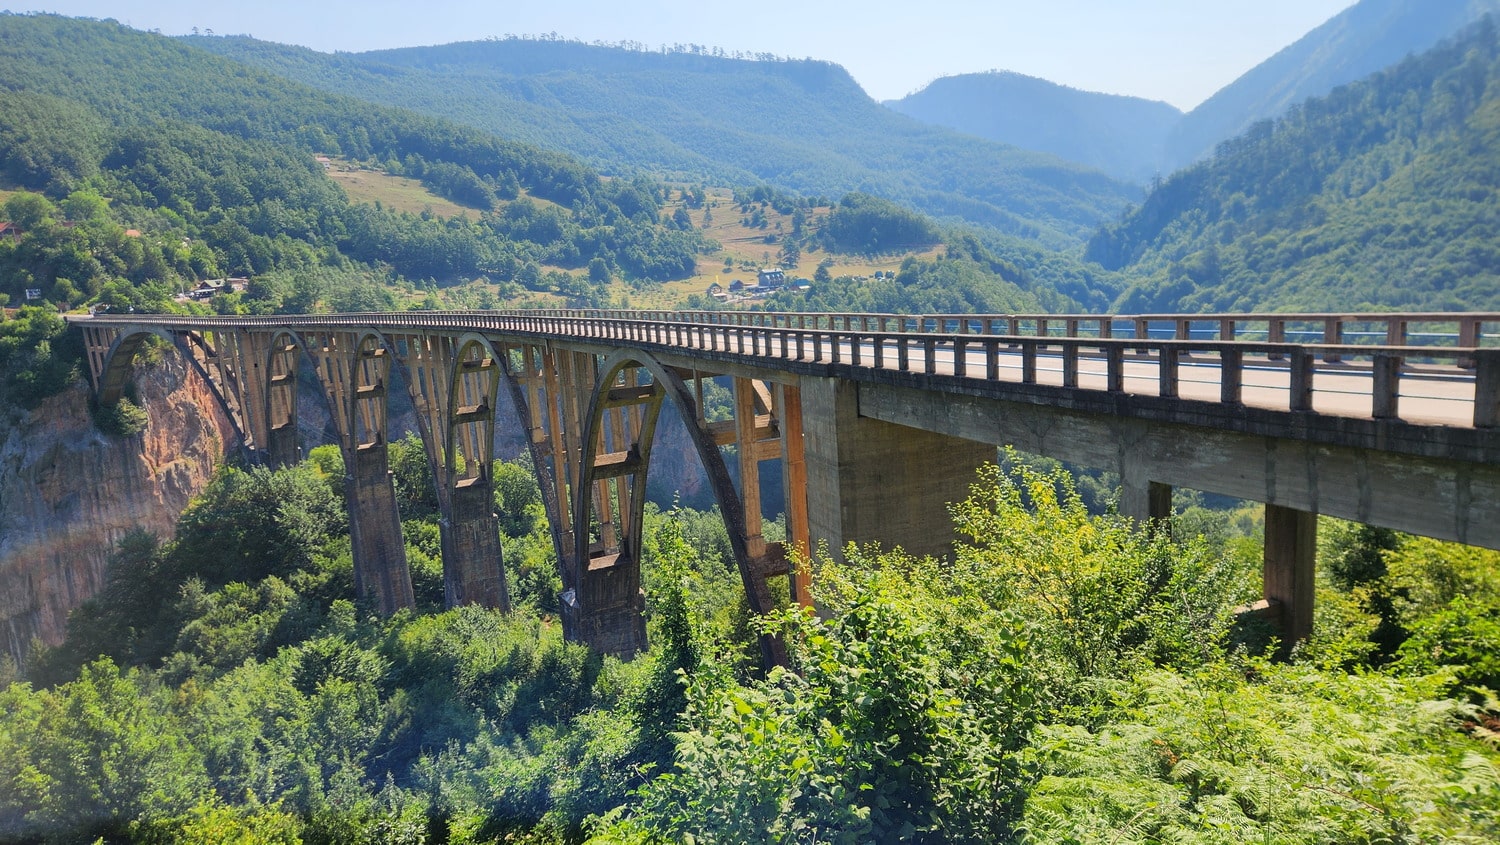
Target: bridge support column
(1290, 551)
(380, 570)
(355, 370)
(1149, 504)
(874, 481)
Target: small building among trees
(771, 278)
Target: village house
(771, 278)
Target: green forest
(151, 165)
(1381, 195)
(800, 125)
(1067, 677)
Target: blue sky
(1180, 51)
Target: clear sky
(1180, 51)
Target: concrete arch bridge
(879, 421)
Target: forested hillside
(1381, 195)
(147, 164)
(1367, 37)
(1122, 136)
(802, 125)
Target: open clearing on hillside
(397, 192)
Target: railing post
(1487, 388)
(1469, 331)
(1395, 332)
(1301, 383)
(1231, 375)
(1070, 364)
(1333, 335)
(1167, 382)
(960, 349)
(992, 360)
(1226, 329)
(929, 349)
(1275, 333)
(854, 349)
(1114, 359)
(879, 352)
(1028, 362)
(1387, 386)
(902, 355)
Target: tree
(28, 211)
(598, 271)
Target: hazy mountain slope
(212, 163)
(1361, 40)
(1384, 194)
(1123, 136)
(801, 125)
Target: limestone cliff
(68, 492)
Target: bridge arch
(280, 395)
(119, 367)
(473, 561)
(607, 571)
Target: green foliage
(862, 223)
(1380, 195)
(124, 419)
(1061, 679)
(250, 524)
(1289, 755)
(1146, 598)
(38, 356)
(209, 169)
(804, 125)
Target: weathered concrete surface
(472, 568)
(69, 493)
(1428, 495)
(869, 480)
(380, 571)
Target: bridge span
(879, 421)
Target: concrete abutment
(875, 481)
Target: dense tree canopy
(1379, 195)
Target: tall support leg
(1290, 553)
(473, 568)
(1149, 504)
(283, 446)
(794, 483)
(453, 383)
(606, 610)
(355, 371)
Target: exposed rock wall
(68, 493)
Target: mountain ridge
(1120, 135)
(801, 125)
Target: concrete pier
(874, 481)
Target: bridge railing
(1034, 355)
(1438, 328)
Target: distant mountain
(1366, 37)
(1383, 194)
(1122, 136)
(804, 126)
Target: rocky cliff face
(68, 493)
